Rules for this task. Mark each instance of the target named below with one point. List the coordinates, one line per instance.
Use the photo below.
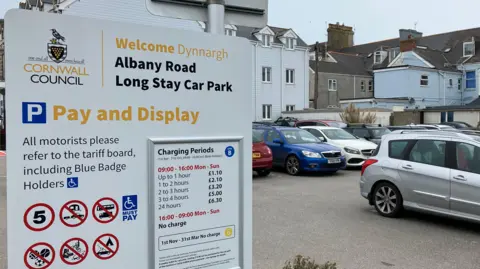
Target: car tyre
(387, 200)
(263, 173)
(292, 165)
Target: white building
(280, 57)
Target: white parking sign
(129, 146)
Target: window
(272, 135)
(467, 158)
(290, 107)
(230, 32)
(450, 82)
(267, 74)
(332, 84)
(393, 53)
(362, 133)
(370, 86)
(267, 112)
(378, 57)
(468, 49)
(309, 123)
(290, 76)
(429, 152)
(290, 44)
(459, 84)
(257, 135)
(471, 80)
(316, 133)
(266, 42)
(424, 80)
(362, 85)
(396, 149)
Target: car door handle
(408, 167)
(460, 178)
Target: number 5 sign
(39, 217)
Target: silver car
(425, 170)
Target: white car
(356, 150)
(433, 126)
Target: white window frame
(379, 54)
(473, 49)
(332, 85)
(290, 44)
(290, 76)
(229, 32)
(267, 112)
(422, 78)
(266, 74)
(266, 41)
(362, 86)
(370, 85)
(290, 107)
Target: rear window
(378, 132)
(257, 136)
(396, 149)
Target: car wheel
(263, 173)
(292, 165)
(387, 200)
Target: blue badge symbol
(229, 151)
(129, 202)
(72, 182)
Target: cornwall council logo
(57, 51)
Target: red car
(331, 123)
(262, 159)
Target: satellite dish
(411, 100)
(369, 55)
(447, 50)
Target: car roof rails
(435, 132)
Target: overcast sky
(373, 20)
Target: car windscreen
(299, 137)
(257, 135)
(338, 134)
(445, 127)
(378, 132)
(337, 124)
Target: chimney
(408, 39)
(339, 36)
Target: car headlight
(310, 154)
(351, 150)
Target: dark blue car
(297, 150)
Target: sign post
(127, 149)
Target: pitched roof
(248, 32)
(346, 64)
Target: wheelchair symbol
(128, 204)
(72, 182)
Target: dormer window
(230, 32)
(290, 44)
(468, 49)
(266, 41)
(378, 57)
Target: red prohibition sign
(74, 251)
(39, 217)
(39, 259)
(105, 210)
(105, 246)
(73, 211)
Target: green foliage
(301, 262)
(351, 114)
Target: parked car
(369, 132)
(458, 125)
(405, 127)
(285, 121)
(433, 126)
(266, 122)
(355, 150)
(262, 159)
(431, 171)
(297, 150)
(332, 123)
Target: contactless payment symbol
(39, 217)
(105, 246)
(73, 213)
(229, 151)
(105, 210)
(72, 182)
(39, 256)
(74, 251)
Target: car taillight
(269, 151)
(366, 164)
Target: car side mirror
(277, 141)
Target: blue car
(297, 150)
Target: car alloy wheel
(293, 165)
(387, 200)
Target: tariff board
(116, 155)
